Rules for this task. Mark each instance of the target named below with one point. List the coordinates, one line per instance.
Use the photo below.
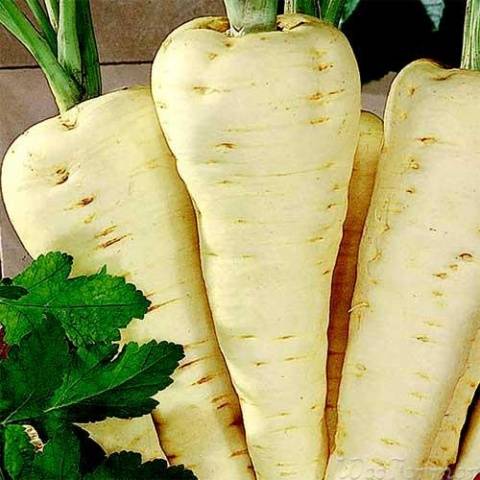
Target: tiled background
(129, 33)
(127, 30)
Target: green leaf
(332, 11)
(91, 453)
(435, 9)
(68, 43)
(53, 10)
(41, 279)
(128, 465)
(63, 368)
(349, 7)
(46, 383)
(32, 371)
(102, 384)
(11, 292)
(94, 309)
(60, 458)
(45, 274)
(18, 452)
(91, 309)
(307, 7)
(57, 458)
(91, 74)
(43, 22)
(64, 88)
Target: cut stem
(332, 11)
(251, 16)
(91, 75)
(43, 22)
(307, 7)
(68, 45)
(65, 90)
(471, 36)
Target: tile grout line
(103, 64)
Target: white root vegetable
(416, 305)
(445, 448)
(264, 129)
(468, 465)
(100, 183)
(116, 435)
(360, 193)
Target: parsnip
(100, 183)
(415, 309)
(360, 192)
(264, 128)
(446, 445)
(468, 466)
(119, 435)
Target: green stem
(68, 44)
(250, 16)
(43, 22)
(53, 10)
(9, 23)
(91, 75)
(471, 36)
(308, 7)
(65, 90)
(332, 11)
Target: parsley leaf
(32, 371)
(128, 465)
(11, 291)
(59, 459)
(18, 452)
(102, 384)
(43, 376)
(63, 368)
(91, 309)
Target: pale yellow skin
(468, 465)
(118, 434)
(416, 304)
(264, 129)
(100, 183)
(446, 445)
(360, 193)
